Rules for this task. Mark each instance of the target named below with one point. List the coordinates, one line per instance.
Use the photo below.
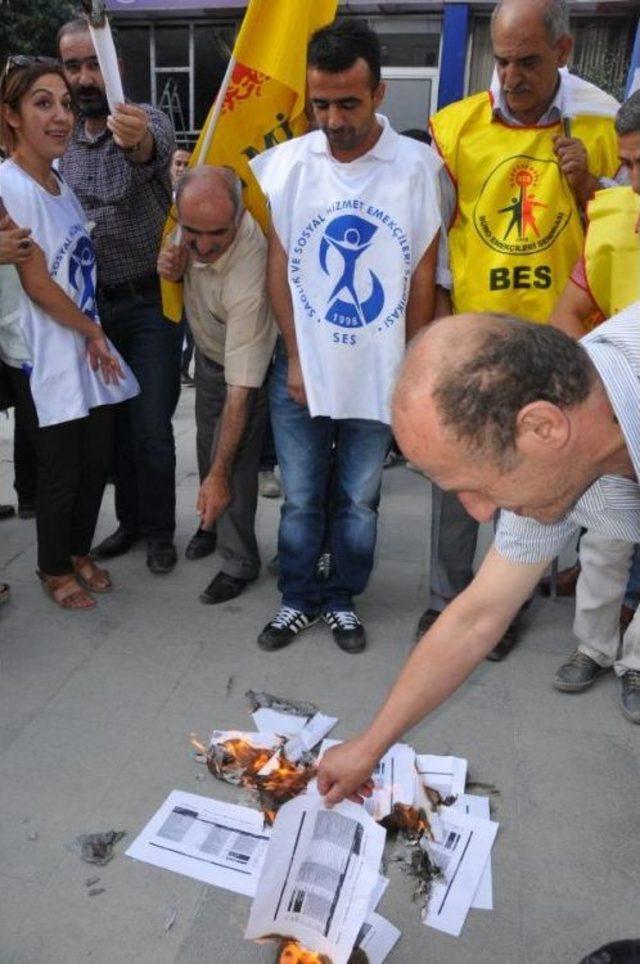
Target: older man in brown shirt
(221, 260)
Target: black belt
(147, 284)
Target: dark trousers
(236, 527)
(25, 460)
(73, 461)
(144, 464)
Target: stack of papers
(315, 875)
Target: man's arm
(215, 493)
(458, 641)
(280, 297)
(421, 303)
(574, 307)
(573, 161)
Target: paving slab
(96, 711)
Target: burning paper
(462, 857)
(446, 775)
(301, 723)
(318, 877)
(217, 843)
(256, 761)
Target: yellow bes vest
(517, 232)
(612, 249)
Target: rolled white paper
(108, 60)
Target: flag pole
(217, 110)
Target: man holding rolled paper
(522, 160)
(118, 165)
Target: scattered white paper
(108, 60)
(318, 876)
(262, 741)
(218, 843)
(478, 807)
(377, 938)
(446, 774)
(311, 734)
(378, 892)
(462, 856)
(273, 721)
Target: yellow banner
(264, 104)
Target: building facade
(176, 51)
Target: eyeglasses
(18, 61)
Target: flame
(293, 953)
(276, 779)
(410, 820)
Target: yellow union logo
(523, 206)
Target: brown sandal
(66, 592)
(90, 576)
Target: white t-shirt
(63, 384)
(354, 233)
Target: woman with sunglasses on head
(67, 375)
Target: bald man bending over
(222, 262)
(515, 416)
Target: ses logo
(344, 270)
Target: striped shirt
(611, 505)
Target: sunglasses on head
(17, 61)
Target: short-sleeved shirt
(611, 505)
(127, 202)
(228, 308)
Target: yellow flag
(264, 103)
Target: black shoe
(578, 673)
(425, 622)
(7, 511)
(26, 510)
(506, 644)
(284, 627)
(202, 544)
(347, 629)
(161, 556)
(630, 695)
(187, 380)
(116, 544)
(222, 588)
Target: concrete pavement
(95, 715)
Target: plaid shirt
(128, 202)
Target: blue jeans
(144, 449)
(328, 491)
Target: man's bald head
(473, 374)
(209, 203)
(206, 183)
(553, 15)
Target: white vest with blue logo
(63, 384)
(354, 233)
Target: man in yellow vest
(522, 160)
(605, 280)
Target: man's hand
(573, 161)
(345, 772)
(172, 262)
(214, 498)
(102, 360)
(16, 245)
(295, 381)
(129, 125)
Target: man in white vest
(351, 274)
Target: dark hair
(17, 80)
(79, 25)
(628, 117)
(512, 364)
(337, 47)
